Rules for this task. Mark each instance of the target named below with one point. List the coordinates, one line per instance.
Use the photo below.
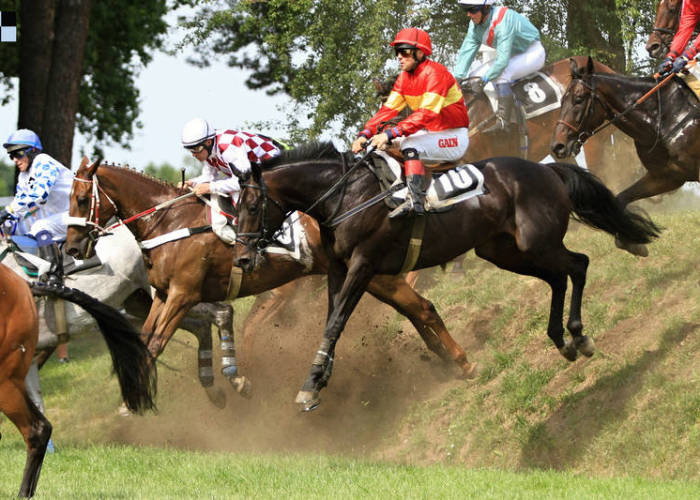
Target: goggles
(405, 52)
(18, 154)
(195, 149)
(472, 9)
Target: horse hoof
(469, 371)
(569, 351)
(216, 396)
(585, 345)
(308, 400)
(242, 386)
(123, 411)
(637, 249)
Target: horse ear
(573, 66)
(589, 66)
(84, 162)
(93, 168)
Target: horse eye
(578, 99)
(83, 201)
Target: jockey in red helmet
(437, 128)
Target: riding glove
(679, 64)
(665, 67)
(5, 215)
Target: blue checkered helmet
(22, 139)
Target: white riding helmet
(196, 131)
(482, 3)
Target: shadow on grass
(561, 440)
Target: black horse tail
(131, 360)
(595, 205)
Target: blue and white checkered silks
(42, 196)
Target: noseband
(93, 218)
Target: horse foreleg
(344, 291)
(398, 294)
(34, 427)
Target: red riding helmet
(413, 38)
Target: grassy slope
(633, 409)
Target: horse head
(578, 115)
(86, 211)
(256, 222)
(666, 22)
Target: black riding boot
(506, 105)
(414, 204)
(52, 254)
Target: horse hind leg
(34, 427)
(503, 251)
(579, 266)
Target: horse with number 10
(198, 268)
(19, 333)
(518, 224)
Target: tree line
(77, 60)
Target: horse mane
(308, 151)
(141, 175)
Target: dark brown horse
(665, 127)
(197, 269)
(668, 15)
(19, 332)
(519, 225)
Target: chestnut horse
(518, 224)
(19, 333)
(197, 269)
(664, 127)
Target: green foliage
(7, 179)
(172, 174)
(324, 54)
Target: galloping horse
(19, 333)
(518, 224)
(195, 269)
(665, 127)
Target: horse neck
(298, 186)
(620, 93)
(133, 192)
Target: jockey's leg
(415, 180)
(506, 104)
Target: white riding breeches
(445, 145)
(519, 65)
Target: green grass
(622, 424)
(127, 472)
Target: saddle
(449, 182)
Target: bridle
(93, 218)
(613, 116)
(258, 241)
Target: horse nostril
(652, 48)
(559, 150)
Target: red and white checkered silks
(256, 147)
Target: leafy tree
(77, 61)
(7, 177)
(324, 53)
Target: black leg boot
(416, 184)
(52, 254)
(506, 105)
